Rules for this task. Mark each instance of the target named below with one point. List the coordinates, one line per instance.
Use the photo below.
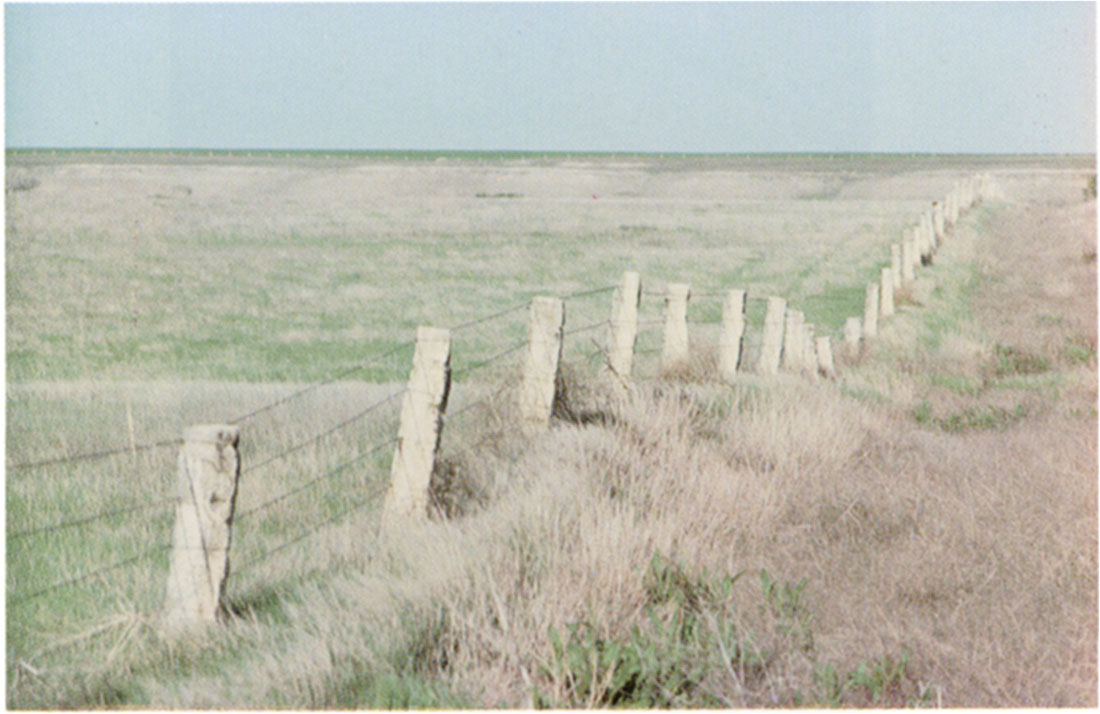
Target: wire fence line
(91, 456)
(145, 555)
(342, 373)
(314, 481)
(356, 505)
(373, 361)
(375, 406)
(90, 519)
(467, 369)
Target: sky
(711, 77)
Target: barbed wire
(90, 519)
(327, 432)
(314, 481)
(585, 328)
(466, 369)
(80, 578)
(356, 505)
(451, 415)
(317, 385)
(586, 293)
(54, 461)
(487, 318)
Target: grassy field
(875, 541)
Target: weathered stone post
(731, 340)
(772, 339)
(809, 350)
(886, 293)
(870, 311)
(418, 435)
(907, 251)
(209, 468)
(852, 333)
(937, 221)
(928, 238)
(895, 264)
(540, 367)
(793, 352)
(825, 363)
(624, 326)
(675, 348)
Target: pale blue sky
(673, 77)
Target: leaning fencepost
(870, 311)
(420, 429)
(907, 274)
(792, 340)
(825, 363)
(929, 237)
(809, 350)
(886, 293)
(624, 326)
(917, 247)
(895, 264)
(731, 340)
(540, 367)
(209, 469)
(675, 348)
(772, 338)
(852, 333)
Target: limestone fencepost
(420, 430)
(886, 293)
(540, 367)
(674, 351)
(825, 365)
(853, 332)
(907, 250)
(731, 340)
(771, 345)
(937, 221)
(929, 237)
(918, 247)
(870, 311)
(792, 340)
(209, 468)
(809, 350)
(624, 326)
(895, 264)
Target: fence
(214, 508)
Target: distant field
(291, 270)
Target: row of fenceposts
(209, 463)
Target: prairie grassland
(921, 532)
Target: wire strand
(315, 481)
(80, 578)
(317, 385)
(93, 455)
(89, 519)
(327, 432)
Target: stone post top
(432, 334)
(213, 434)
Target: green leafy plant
(656, 666)
(785, 602)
